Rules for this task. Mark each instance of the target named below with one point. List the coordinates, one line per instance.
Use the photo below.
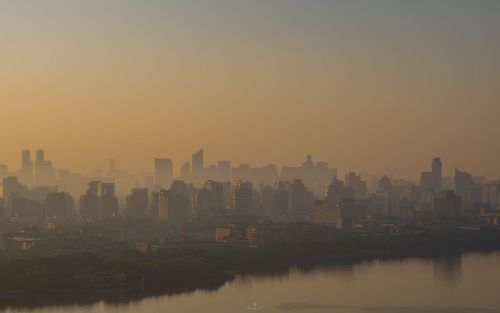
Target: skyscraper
(436, 175)
(281, 198)
(109, 202)
(298, 198)
(217, 195)
(90, 204)
(3, 171)
(198, 164)
(44, 173)
(463, 182)
(337, 192)
(357, 184)
(224, 171)
(164, 172)
(447, 204)
(186, 171)
(58, 206)
(243, 197)
(138, 203)
(25, 175)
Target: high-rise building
(198, 165)
(149, 182)
(186, 171)
(154, 205)
(224, 171)
(217, 195)
(163, 208)
(203, 202)
(164, 172)
(90, 202)
(4, 170)
(433, 180)
(299, 198)
(384, 185)
(337, 191)
(173, 205)
(437, 175)
(44, 173)
(491, 193)
(109, 202)
(426, 181)
(25, 210)
(243, 197)
(25, 174)
(447, 204)
(266, 199)
(59, 206)
(463, 182)
(11, 187)
(325, 213)
(281, 198)
(138, 203)
(270, 174)
(357, 184)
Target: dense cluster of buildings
(221, 204)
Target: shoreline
(173, 272)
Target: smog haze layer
(379, 86)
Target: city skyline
(175, 169)
(222, 156)
(369, 85)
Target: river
(458, 284)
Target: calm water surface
(468, 283)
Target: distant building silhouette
(281, 199)
(447, 204)
(433, 180)
(26, 172)
(300, 199)
(138, 203)
(90, 202)
(198, 165)
(44, 173)
(337, 191)
(4, 171)
(109, 202)
(59, 206)
(164, 172)
(357, 184)
(437, 175)
(224, 171)
(243, 200)
(384, 185)
(186, 172)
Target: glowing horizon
(367, 86)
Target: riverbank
(85, 279)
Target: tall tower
(437, 175)
(197, 164)
(44, 173)
(164, 172)
(109, 202)
(40, 155)
(26, 172)
(242, 197)
(186, 171)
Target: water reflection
(452, 284)
(448, 269)
(302, 307)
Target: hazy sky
(373, 85)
